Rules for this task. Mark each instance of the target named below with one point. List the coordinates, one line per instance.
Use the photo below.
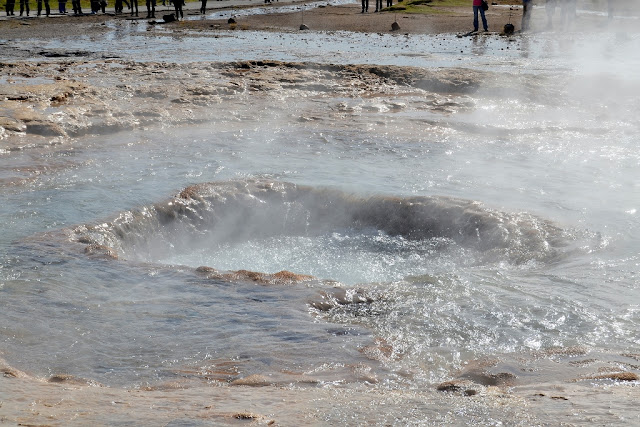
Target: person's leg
(525, 16)
(550, 7)
(573, 13)
(475, 17)
(484, 20)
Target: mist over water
(525, 239)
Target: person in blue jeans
(477, 7)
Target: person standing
(77, 9)
(151, 9)
(134, 7)
(203, 6)
(389, 3)
(9, 6)
(477, 8)
(567, 12)
(378, 5)
(178, 6)
(550, 8)
(62, 6)
(46, 7)
(365, 6)
(24, 6)
(527, 5)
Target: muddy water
(143, 42)
(473, 220)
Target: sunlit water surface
(573, 161)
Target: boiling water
(504, 226)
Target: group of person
(567, 10)
(365, 5)
(97, 6)
(479, 9)
(24, 7)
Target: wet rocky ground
(51, 98)
(50, 102)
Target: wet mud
(478, 392)
(71, 99)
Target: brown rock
(245, 416)
(281, 278)
(500, 379)
(12, 125)
(10, 372)
(43, 128)
(616, 376)
(203, 269)
(381, 350)
(449, 386)
(100, 251)
(254, 380)
(289, 277)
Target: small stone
(254, 380)
(449, 386)
(44, 129)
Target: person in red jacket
(477, 7)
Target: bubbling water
(272, 226)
